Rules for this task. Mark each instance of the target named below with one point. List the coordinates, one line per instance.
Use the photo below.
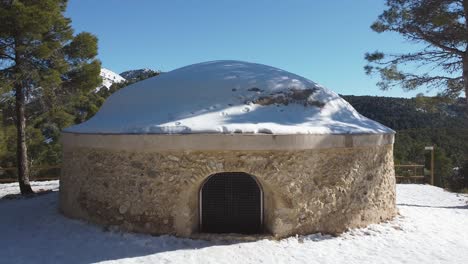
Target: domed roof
(227, 97)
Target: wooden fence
(410, 173)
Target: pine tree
(41, 58)
(441, 26)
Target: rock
(173, 158)
(124, 208)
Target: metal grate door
(231, 202)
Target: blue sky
(324, 41)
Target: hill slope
(139, 74)
(109, 78)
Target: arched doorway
(231, 202)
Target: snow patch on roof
(228, 97)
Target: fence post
(432, 165)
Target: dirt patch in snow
(292, 95)
(254, 89)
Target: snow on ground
(227, 97)
(432, 228)
(108, 78)
(12, 189)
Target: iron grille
(231, 202)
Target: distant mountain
(138, 75)
(108, 78)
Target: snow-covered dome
(227, 97)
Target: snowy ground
(432, 228)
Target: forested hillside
(419, 122)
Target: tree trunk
(465, 57)
(21, 150)
(465, 76)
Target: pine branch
(427, 38)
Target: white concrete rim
(220, 142)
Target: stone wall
(306, 191)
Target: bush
(459, 179)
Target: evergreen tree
(442, 27)
(42, 61)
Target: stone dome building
(228, 147)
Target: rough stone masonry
(326, 190)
